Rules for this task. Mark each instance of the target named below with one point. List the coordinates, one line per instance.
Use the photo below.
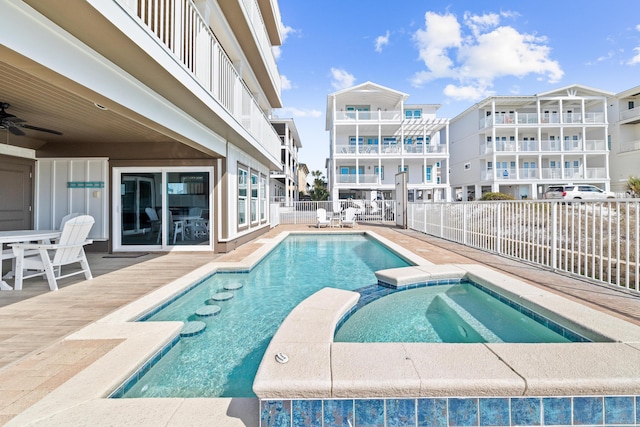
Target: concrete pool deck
(30, 392)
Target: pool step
(208, 310)
(233, 286)
(482, 330)
(193, 328)
(222, 296)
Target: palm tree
(319, 191)
(633, 186)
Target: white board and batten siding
(64, 186)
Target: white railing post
(554, 236)
(498, 233)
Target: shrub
(497, 196)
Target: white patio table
(22, 236)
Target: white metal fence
(598, 240)
(375, 211)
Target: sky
(454, 54)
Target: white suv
(577, 192)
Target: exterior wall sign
(85, 184)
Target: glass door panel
(187, 216)
(139, 219)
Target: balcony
(632, 114)
(540, 119)
(389, 116)
(357, 179)
(630, 146)
(188, 38)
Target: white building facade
(624, 128)
(161, 109)
(375, 134)
(520, 145)
(284, 183)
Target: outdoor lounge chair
(48, 259)
(321, 218)
(349, 219)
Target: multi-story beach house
(284, 182)
(152, 116)
(624, 128)
(374, 135)
(520, 145)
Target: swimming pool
(222, 360)
(449, 313)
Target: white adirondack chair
(48, 259)
(321, 218)
(349, 219)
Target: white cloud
(341, 79)
(297, 112)
(382, 41)
(284, 32)
(636, 58)
(285, 83)
(465, 93)
(477, 52)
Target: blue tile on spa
(556, 410)
(525, 411)
(401, 412)
(618, 410)
(432, 412)
(494, 412)
(275, 413)
(369, 413)
(338, 413)
(307, 413)
(587, 410)
(463, 412)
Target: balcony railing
(181, 29)
(630, 114)
(630, 146)
(391, 149)
(545, 145)
(544, 118)
(358, 178)
(395, 116)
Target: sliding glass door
(162, 208)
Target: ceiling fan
(15, 125)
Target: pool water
(223, 359)
(458, 313)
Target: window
(242, 196)
(352, 140)
(359, 111)
(412, 114)
(489, 166)
(437, 164)
(263, 198)
(428, 174)
(254, 197)
(403, 169)
(379, 170)
(631, 105)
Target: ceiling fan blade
(13, 129)
(55, 132)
